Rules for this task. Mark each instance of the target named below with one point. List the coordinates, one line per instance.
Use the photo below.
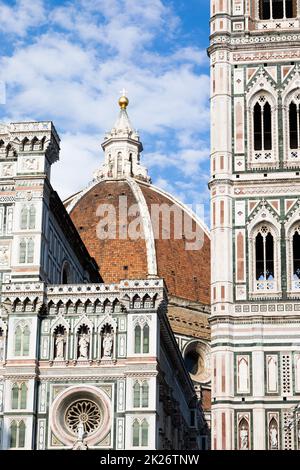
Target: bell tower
(255, 225)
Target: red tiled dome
(186, 272)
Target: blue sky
(67, 61)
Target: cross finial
(123, 92)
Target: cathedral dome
(135, 230)
(155, 251)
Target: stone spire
(122, 149)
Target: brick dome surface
(186, 272)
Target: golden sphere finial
(123, 101)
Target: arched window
(294, 122)
(136, 395)
(15, 397)
(136, 433)
(23, 397)
(277, 9)
(119, 163)
(22, 341)
(144, 432)
(26, 340)
(32, 213)
(26, 251)
(22, 430)
(23, 251)
(19, 397)
(141, 339)
(146, 339)
(13, 435)
(145, 395)
(137, 339)
(28, 216)
(18, 341)
(262, 125)
(17, 434)
(264, 259)
(24, 217)
(30, 251)
(141, 395)
(140, 432)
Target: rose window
(86, 412)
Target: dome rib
(147, 226)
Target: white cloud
(23, 15)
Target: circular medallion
(76, 406)
(86, 412)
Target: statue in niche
(244, 436)
(84, 342)
(59, 346)
(107, 345)
(273, 436)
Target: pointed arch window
(26, 251)
(136, 395)
(28, 216)
(146, 339)
(17, 434)
(264, 259)
(136, 433)
(137, 339)
(277, 9)
(294, 122)
(141, 395)
(145, 395)
(262, 125)
(140, 433)
(13, 434)
(22, 341)
(141, 339)
(144, 432)
(19, 396)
